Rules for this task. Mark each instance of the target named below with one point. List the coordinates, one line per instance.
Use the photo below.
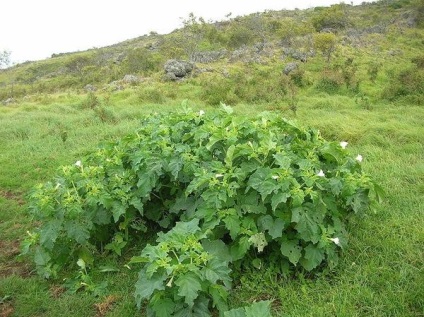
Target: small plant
(91, 101)
(363, 101)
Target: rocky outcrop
(289, 68)
(130, 79)
(177, 69)
(208, 57)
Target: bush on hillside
(408, 83)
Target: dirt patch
(6, 310)
(57, 291)
(15, 196)
(9, 265)
(104, 307)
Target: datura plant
(216, 191)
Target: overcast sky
(35, 29)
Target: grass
(380, 273)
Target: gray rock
(177, 69)
(130, 79)
(9, 101)
(295, 54)
(115, 86)
(89, 87)
(208, 57)
(289, 68)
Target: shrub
(219, 191)
(331, 81)
(407, 83)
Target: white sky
(35, 29)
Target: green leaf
(78, 232)
(307, 220)
(282, 160)
(239, 248)
(49, 233)
(292, 250)
(262, 308)
(276, 231)
(145, 286)
(313, 257)
(278, 198)
(236, 312)
(118, 210)
(219, 296)
(232, 223)
(189, 286)
(229, 156)
(258, 309)
(218, 249)
(163, 307)
(336, 186)
(217, 270)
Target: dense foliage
(218, 191)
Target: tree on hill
(334, 17)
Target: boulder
(89, 88)
(289, 68)
(9, 101)
(130, 79)
(177, 69)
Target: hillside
(373, 43)
(347, 83)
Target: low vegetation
(141, 195)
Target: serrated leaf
(163, 307)
(189, 286)
(216, 270)
(219, 296)
(239, 248)
(336, 186)
(236, 312)
(218, 249)
(49, 233)
(292, 250)
(276, 230)
(145, 286)
(232, 223)
(278, 198)
(265, 222)
(262, 308)
(200, 309)
(312, 258)
(118, 210)
(41, 257)
(77, 231)
(282, 160)
(175, 165)
(307, 223)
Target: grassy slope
(381, 272)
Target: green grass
(380, 273)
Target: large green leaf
(163, 307)
(189, 286)
(292, 250)
(145, 286)
(312, 258)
